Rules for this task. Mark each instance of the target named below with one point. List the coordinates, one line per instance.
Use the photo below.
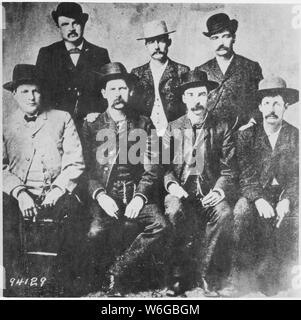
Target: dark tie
(28, 119)
(74, 50)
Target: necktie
(28, 119)
(74, 50)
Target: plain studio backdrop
(265, 34)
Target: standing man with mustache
(266, 217)
(68, 65)
(238, 77)
(158, 79)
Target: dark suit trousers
(120, 244)
(262, 251)
(197, 232)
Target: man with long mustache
(238, 77)
(121, 191)
(266, 217)
(68, 65)
(198, 180)
(158, 79)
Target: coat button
(27, 158)
(106, 169)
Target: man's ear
(169, 42)
(103, 92)
(183, 98)
(260, 107)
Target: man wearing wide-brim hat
(42, 164)
(199, 181)
(159, 78)
(68, 65)
(266, 217)
(238, 77)
(121, 184)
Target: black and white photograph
(150, 150)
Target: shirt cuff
(97, 191)
(168, 183)
(142, 196)
(220, 191)
(16, 191)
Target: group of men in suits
(192, 116)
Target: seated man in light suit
(42, 162)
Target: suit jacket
(259, 164)
(66, 83)
(168, 84)
(235, 96)
(55, 136)
(100, 173)
(219, 170)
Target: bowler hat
(70, 10)
(114, 70)
(23, 73)
(196, 78)
(154, 29)
(219, 22)
(277, 86)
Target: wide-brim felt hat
(277, 86)
(113, 71)
(70, 10)
(155, 28)
(195, 78)
(218, 23)
(23, 73)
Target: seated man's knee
(243, 209)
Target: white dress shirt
(158, 115)
(74, 56)
(224, 64)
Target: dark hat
(70, 10)
(23, 73)
(155, 29)
(195, 78)
(277, 86)
(219, 22)
(114, 70)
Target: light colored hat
(154, 29)
(276, 85)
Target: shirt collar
(70, 46)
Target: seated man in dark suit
(121, 185)
(199, 181)
(266, 217)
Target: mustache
(272, 114)
(157, 51)
(198, 107)
(72, 33)
(222, 47)
(118, 101)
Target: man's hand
(212, 199)
(283, 208)
(52, 197)
(264, 209)
(108, 205)
(134, 207)
(27, 205)
(91, 117)
(176, 190)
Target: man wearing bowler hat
(42, 163)
(67, 65)
(266, 215)
(159, 78)
(238, 77)
(121, 186)
(199, 181)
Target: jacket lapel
(170, 72)
(64, 56)
(216, 71)
(40, 122)
(84, 57)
